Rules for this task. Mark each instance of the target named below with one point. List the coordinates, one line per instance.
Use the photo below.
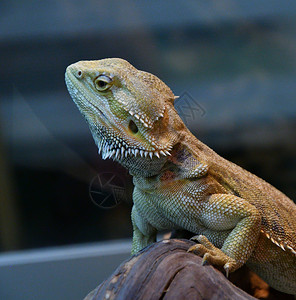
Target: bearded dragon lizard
(179, 182)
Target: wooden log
(165, 270)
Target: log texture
(165, 270)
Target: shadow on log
(165, 270)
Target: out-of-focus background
(233, 64)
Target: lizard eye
(133, 127)
(103, 83)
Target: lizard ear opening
(133, 127)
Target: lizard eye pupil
(133, 127)
(103, 83)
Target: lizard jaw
(117, 149)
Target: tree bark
(165, 270)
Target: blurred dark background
(232, 62)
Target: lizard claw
(194, 238)
(226, 268)
(204, 259)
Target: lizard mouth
(110, 145)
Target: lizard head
(127, 109)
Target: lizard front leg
(224, 212)
(144, 234)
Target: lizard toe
(198, 249)
(204, 241)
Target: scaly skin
(180, 183)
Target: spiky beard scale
(111, 146)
